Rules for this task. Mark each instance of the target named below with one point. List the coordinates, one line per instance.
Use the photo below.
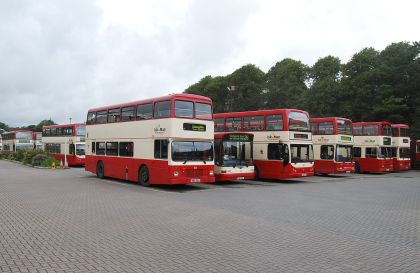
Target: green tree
(245, 87)
(45, 122)
(360, 85)
(214, 88)
(4, 126)
(285, 84)
(322, 97)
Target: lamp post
(65, 148)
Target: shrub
(48, 162)
(38, 159)
(28, 155)
(19, 155)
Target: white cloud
(60, 58)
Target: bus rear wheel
(100, 171)
(144, 178)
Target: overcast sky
(61, 57)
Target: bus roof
(325, 119)
(62, 125)
(400, 126)
(363, 123)
(259, 112)
(17, 131)
(196, 98)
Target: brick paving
(70, 221)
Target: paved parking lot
(70, 221)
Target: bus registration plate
(304, 174)
(195, 180)
(240, 178)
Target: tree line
(33, 128)
(372, 86)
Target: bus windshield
(237, 153)
(344, 153)
(344, 127)
(301, 153)
(404, 132)
(386, 130)
(404, 152)
(299, 122)
(80, 149)
(81, 130)
(192, 151)
(24, 135)
(385, 152)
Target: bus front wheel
(100, 171)
(144, 178)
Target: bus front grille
(194, 173)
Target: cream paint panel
(232, 170)
(155, 128)
(331, 139)
(60, 140)
(319, 140)
(143, 133)
(10, 143)
(399, 142)
(368, 140)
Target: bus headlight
(176, 173)
(211, 172)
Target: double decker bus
(333, 144)
(17, 140)
(415, 154)
(372, 151)
(165, 140)
(37, 138)
(66, 143)
(282, 145)
(400, 147)
(233, 156)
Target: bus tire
(357, 168)
(144, 177)
(100, 170)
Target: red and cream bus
(66, 139)
(333, 143)
(233, 156)
(400, 147)
(37, 138)
(372, 150)
(282, 140)
(415, 154)
(17, 140)
(165, 140)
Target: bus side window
(327, 152)
(126, 149)
(371, 152)
(161, 148)
(357, 152)
(100, 148)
